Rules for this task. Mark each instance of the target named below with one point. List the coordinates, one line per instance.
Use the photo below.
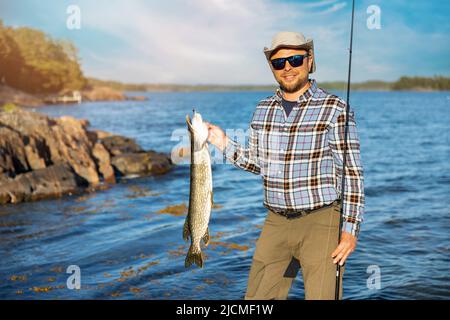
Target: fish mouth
(193, 131)
(189, 123)
(190, 127)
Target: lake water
(127, 250)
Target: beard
(292, 86)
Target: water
(126, 250)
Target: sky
(222, 41)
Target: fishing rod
(347, 112)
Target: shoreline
(9, 95)
(20, 98)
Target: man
(296, 141)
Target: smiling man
(296, 143)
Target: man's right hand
(216, 136)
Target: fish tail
(206, 237)
(194, 255)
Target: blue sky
(221, 41)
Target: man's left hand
(344, 249)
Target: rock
(13, 157)
(43, 157)
(49, 182)
(117, 145)
(71, 121)
(49, 141)
(33, 155)
(143, 163)
(104, 162)
(100, 134)
(102, 94)
(4, 178)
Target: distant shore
(421, 84)
(101, 90)
(21, 98)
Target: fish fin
(194, 257)
(186, 232)
(212, 200)
(206, 237)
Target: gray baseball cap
(294, 40)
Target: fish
(201, 191)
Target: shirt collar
(304, 97)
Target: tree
(11, 60)
(32, 61)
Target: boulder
(99, 134)
(141, 164)
(48, 141)
(103, 160)
(49, 182)
(117, 145)
(42, 157)
(13, 156)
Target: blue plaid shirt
(300, 156)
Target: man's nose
(287, 66)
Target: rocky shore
(43, 157)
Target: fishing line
(347, 112)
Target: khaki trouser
(283, 242)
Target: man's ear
(310, 62)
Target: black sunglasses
(294, 61)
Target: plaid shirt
(300, 156)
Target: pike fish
(201, 193)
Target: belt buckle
(290, 216)
(301, 213)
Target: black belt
(302, 213)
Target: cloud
(199, 41)
(334, 8)
(319, 3)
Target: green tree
(11, 60)
(38, 64)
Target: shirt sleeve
(354, 180)
(245, 158)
